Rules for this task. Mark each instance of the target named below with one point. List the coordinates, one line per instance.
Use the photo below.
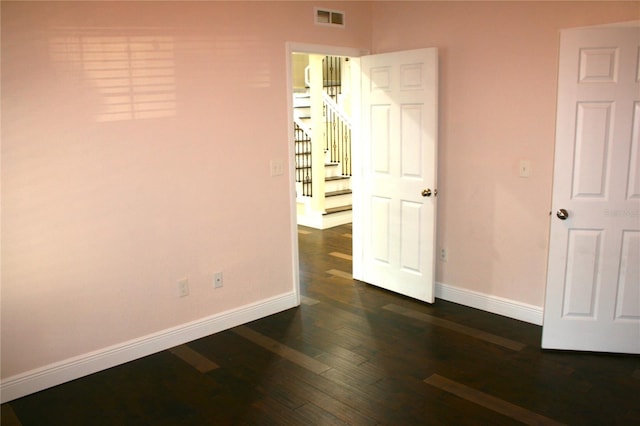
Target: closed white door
(396, 206)
(593, 283)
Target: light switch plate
(277, 168)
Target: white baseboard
(497, 305)
(73, 368)
(312, 220)
(336, 219)
(318, 220)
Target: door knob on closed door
(426, 193)
(562, 214)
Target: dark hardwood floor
(351, 354)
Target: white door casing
(398, 158)
(593, 282)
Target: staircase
(332, 206)
(302, 141)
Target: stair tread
(338, 209)
(336, 178)
(336, 193)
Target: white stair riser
(302, 112)
(332, 170)
(324, 221)
(301, 102)
(337, 201)
(335, 219)
(337, 185)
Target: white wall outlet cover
(277, 167)
(183, 287)
(217, 280)
(524, 169)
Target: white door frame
(290, 48)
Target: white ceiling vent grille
(333, 18)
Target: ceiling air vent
(329, 17)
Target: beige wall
(102, 215)
(498, 66)
(298, 64)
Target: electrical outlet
(524, 169)
(183, 287)
(444, 256)
(217, 280)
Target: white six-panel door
(593, 284)
(398, 188)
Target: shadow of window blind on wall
(133, 74)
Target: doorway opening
(322, 139)
(306, 209)
(394, 144)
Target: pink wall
(498, 66)
(102, 210)
(101, 215)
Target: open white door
(593, 283)
(397, 199)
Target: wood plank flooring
(351, 354)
